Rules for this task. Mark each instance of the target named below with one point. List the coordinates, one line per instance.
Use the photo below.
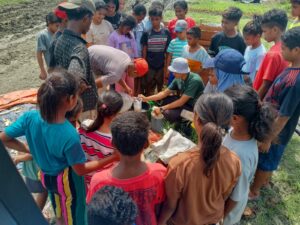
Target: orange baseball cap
(141, 66)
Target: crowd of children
(246, 104)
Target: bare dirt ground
(19, 25)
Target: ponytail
(253, 27)
(211, 142)
(109, 104)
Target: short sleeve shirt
(196, 59)
(99, 34)
(147, 190)
(220, 42)
(192, 87)
(176, 47)
(171, 26)
(200, 198)
(284, 94)
(247, 152)
(70, 53)
(272, 65)
(52, 154)
(156, 43)
(44, 39)
(253, 58)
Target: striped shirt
(96, 145)
(176, 47)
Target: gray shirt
(108, 63)
(248, 154)
(44, 39)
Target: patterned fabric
(71, 53)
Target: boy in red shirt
(181, 9)
(274, 23)
(143, 181)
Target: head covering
(181, 25)
(229, 61)
(141, 66)
(179, 65)
(75, 4)
(61, 14)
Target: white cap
(179, 65)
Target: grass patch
(11, 2)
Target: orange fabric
(18, 97)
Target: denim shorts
(269, 161)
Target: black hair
(59, 85)
(275, 18)
(76, 110)
(128, 21)
(130, 132)
(157, 4)
(214, 113)
(253, 27)
(260, 116)
(233, 14)
(79, 13)
(52, 18)
(111, 206)
(139, 9)
(116, 3)
(100, 5)
(295, 2)
(291, 38)
(109, 103)
(154, 11)
(194, 32)
(181, 4)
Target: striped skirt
(67, 194)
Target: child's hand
(143, 97)
(43, 74)
(264, 147)
(17, 159)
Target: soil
(19, 25)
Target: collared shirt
(71, 53)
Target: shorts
(269, 161)
(34, 186)
(67, 194)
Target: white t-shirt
(98, 34)
(253, 58)
(248, 154)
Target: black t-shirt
(220, 41)
(284, 94)
(157, 44)
(114, 20)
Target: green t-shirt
(193, 87)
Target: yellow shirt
(295, 23)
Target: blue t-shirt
(227, 80)
(44, 40)
(53, 146)
(284, 94)
(253, 58)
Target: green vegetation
(10, 2)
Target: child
(181, 9)
(44, 39)
(155, 43)
(55, 146)
(96, 139)
(139, 12)
(274, 23)
(123, 39)
(252, 122)
(176, 46)
(255, 51)
(284, 94)
(295, 13)
(199, 181)
(143, 181)
(121, 5)
(100, 28)
(71, 53)
(228, 68)
(111, 206)
(195, 54)
(229, 37)
(113, 15)
(146, 22)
